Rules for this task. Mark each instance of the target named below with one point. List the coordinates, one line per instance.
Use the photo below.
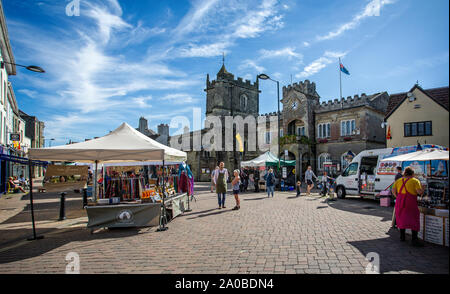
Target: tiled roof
(439, 95)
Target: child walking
(236, 183)
(298, 188)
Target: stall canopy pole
(94, 190)
(34, 237)
(163, 219)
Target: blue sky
(120, 60)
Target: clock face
(294, 105)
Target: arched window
(324, 157)
(244, 102)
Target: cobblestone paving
(282, 235)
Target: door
(350, 179)
(367, 175)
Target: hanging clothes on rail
(185, 168)
(183, 183)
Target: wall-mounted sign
(14, 137)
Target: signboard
(438, 169)
(434, 229)
(62, 178)
(124, 169)
(284, 172)
(388, 167)
(286, 153)
(14, 137)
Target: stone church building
(313, 133)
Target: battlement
(345, 103)
(306, 87)
(238, 82)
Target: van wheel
(340, 191)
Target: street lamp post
(37, 69)
(29, 67)
(266, 77)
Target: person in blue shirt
(270, 182)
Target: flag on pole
(241, 145)
(343, 69)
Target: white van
(361, 176)
(366, 177)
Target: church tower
(227, 96)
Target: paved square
(283, 234)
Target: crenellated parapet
(350, 102)
(306, 87)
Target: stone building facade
(323, 134)
(225, 96)
(162, 136)
(313, 133)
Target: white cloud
(371, 9)
(247, 63)
(207, 50)
(320, 63)
(194, 18)
(210, 29)
(179, 98)
(287, 52)
(306, 44)
(107, 20)
(257, 21)
(29, 93)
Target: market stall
(431, 168)
(266, 160)
(130, 202)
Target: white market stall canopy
(422, 155)
(261, 160)
(124, 144)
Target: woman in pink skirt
(407, 213)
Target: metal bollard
(62, 210)
(85, 201)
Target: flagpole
(340, 79)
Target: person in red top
(407, 213)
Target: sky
(114, 61)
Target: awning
(124, 144)
(422, 155)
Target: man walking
(220, 180)
(309, 174)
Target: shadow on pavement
(396, 256)
(51, 241)
(198, 212)
(212, 213)
(48, 211)
(363, 206)
(259, 198)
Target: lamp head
(263, 76)
(35, 68)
